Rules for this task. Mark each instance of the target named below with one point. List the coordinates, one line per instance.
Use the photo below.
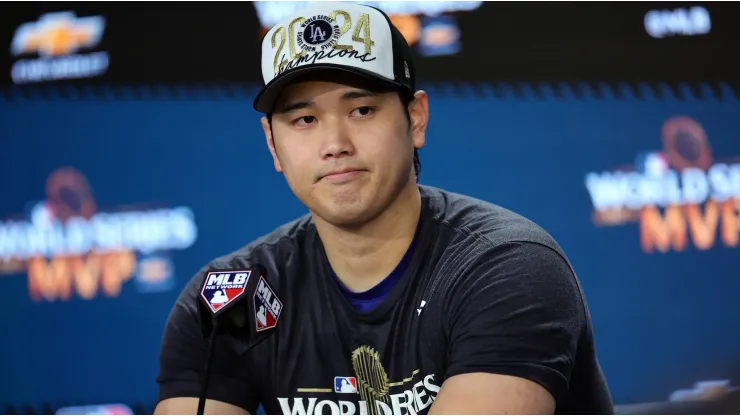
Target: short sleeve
(517, 312)
(182, 358)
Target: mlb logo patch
(345, 385)
(223, 287)
(267, 306)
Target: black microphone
(240, 303)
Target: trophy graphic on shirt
(372, 380)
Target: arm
(182, 361)
(189, 406)
(489, 394)
(514, 323)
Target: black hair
(406, 97)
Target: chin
(347, 209)
(347, 215)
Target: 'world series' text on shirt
(414, 400)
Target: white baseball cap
(334, 36)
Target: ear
(271, 143)
(419, 114)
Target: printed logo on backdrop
(678, 22)
(679, 196)
(439, 36)
(703, 390)
(67, 246)
(106, 409)
(56, 39)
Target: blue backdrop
(662, 320)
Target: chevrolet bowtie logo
(57, 34)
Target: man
(396, 298)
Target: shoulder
(492, 250)
(271, 247)
(271, 251)
(481, 224)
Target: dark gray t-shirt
(486, 290)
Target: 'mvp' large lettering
(61, 276)
(672, 229)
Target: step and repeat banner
(110, 205)
(466, 40)
(131, 156)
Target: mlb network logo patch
(345, 385)
(267, 306)
(222, 287)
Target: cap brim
(266, 98)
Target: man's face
(346, 152)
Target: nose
(336, 142)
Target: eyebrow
(352, 95)
(299, 105)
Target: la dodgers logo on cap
(267, 306)
(319, 33)
(223, 287)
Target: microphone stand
(206, 377)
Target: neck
(363, 256)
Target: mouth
(341, 175)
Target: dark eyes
(358, 112)
(305, 120)
(362, 111)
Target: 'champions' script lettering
(408, 402)
(320, 55)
